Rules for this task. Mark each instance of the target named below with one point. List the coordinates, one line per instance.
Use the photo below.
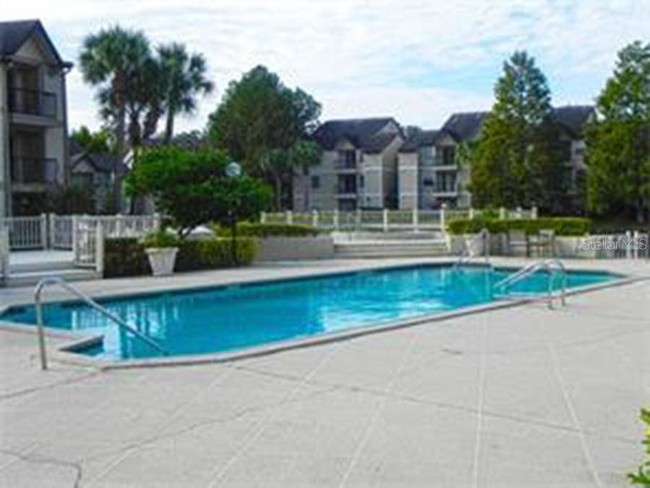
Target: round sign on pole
(233, 170)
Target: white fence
(82, 234)
(89, 232)
(385, 220)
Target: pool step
(386, 248)
(30, 278)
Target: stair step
(390, 249)
(29, 278)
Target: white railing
(89, 232)
(56, 231)
(60, 231)
(385, 220)
(26, 232)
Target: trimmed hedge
(563, 226)
(249, 229)
(127, 256)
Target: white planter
(162, 260)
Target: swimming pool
(236, 317)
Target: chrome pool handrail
(553, 266)
(57, 280)
(466, 257)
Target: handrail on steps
(553, 266)
(56, 280)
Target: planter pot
(162, 260)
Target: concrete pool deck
(523, 396)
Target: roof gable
(371, 134)
(14, 35)
(574, 117)
(465, 126)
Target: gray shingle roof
(574, 117)
(420, 139)
(465, 126)
(103, 163)
(13, 34)
(362, 133)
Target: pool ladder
(466, 255)
(554, 267)
(56, 280)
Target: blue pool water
(229, 318)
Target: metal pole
(39, 326)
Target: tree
(192, 187)
(93, 142)
(113, 61)
(184, 77)
(618, 141)
(517, 161)
(259, 120)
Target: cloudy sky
(418, 60)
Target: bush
(563, 226)
(161, 238)
(250, 229)
(214, 253)
(127, 256)
(642, 476)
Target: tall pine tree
(517, 161)
(618, 142)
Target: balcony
(34, 171)
(32, 102)
(445, 188)
(345, 166)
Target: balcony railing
(26, 170)
(343, 164)
(32, 102)
(445, 187)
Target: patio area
(523, 396)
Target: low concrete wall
(295, 248)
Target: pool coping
(65, 353)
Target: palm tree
(112, 60)
(184, 77)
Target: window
(315, 182)
(427, 182)
(362, 181)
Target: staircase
(28, 268)
(390, 248)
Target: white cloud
(416, 59)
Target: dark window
(315, 182)
(362, 181)
(427, 182)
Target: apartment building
(431, 172)
(33, 117)
(358, 167)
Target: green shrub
(214, 253)
(563, 226)
(642, 476)
(250, 229)
(161, 238)
(127, 256)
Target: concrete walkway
(523, 396)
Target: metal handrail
(553, 266)
(465, 256)
(56, 280)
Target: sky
(416, 60)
